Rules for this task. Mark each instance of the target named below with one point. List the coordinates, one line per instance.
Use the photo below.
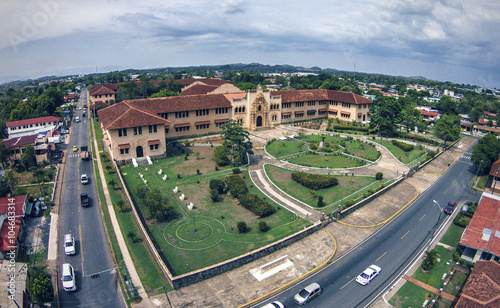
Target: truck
(84, 200)
(84, 152)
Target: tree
(447, 106)
(112, 183)
(485, 153)
(11, 180)
(237, 141)
(120, 204)
(28, 157)
(242, 226)
(214, 195)
(40, 285)
(410, 116)
(430, 259)
(448, 127)
(108, 168)
(386, 112)
(320, 201)
(4, 155)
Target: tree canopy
(448, 127)
(485, 153)
(237, 141)
(386, 113)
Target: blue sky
(455, 40)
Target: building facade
(31, 126)
(141, 127)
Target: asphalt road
(92, 249)
(392, 247)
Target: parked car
(307, 294)
(450, 207)
(274, 305)
(69, 244)
(77, 119)
(68, 277)
(371, 272)
(85, 179)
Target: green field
(216, 237)
(410, 296)
(363, 150)
(402, 156)
(325, 161)
(283, 148)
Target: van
(68, 277)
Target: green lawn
(363, 150)
(324, 161)
(282, 148)
(410, 296)
(35, 190)
(347, 185)
(317, 138)
(452, 235)
(404, 157)
(434, 276)
(483, 181)
(216, 238)
(456, 283)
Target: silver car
(308, 293)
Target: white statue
(164, 177)
(182, 197)
(159, 172)
(176, 189)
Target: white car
(371, 272)
(68, 277)
(85, 179)
(308, 293)
(274, 305)
(69, 244)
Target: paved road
(392, 247)
(92, 253)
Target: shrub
(349, 203)
(236, 170)
(460, 221)
(314, 181)
(313, 146)
(197, 171)
(141, 191)
(242, 226)
(320, 201)
(236, 186)
(258, 206)
(178, 176)
(218, 185)
(403, 146)
(430, 259)
(214, 195)
(263, 226)
(379, 176)
(221, 158)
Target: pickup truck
(84, 200)
(84, 154)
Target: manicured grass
(404, 157)
(347, 185)
(217, 238)
(410, 296)
(482, 182)
(282, 148)
(434, 276)
(363, 150)
(318, 138)
(452, 235)
(324, 161)
(456, 283)
(34, 190)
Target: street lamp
(439, 217)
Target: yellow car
(75, 148)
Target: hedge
(236, 186)
(419, 138)
(221, 158)
(347, 127)
(403, 146)
(314, 181)
(257, 205)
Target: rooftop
(482, 288)
(32, 121)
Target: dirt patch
(205, 162)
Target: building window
(220, 124)
(322, 103)
(311, 113)
(137, 130)
(322, 112)
(334, 103)
(122, 132)
(152, 129)
(273, 118)
(334, 113)
(286, 116)
(311, 103)
(299, 104)
(166, 131)
(346, 105)
(286, 105)
(345, 115)
(299, 115)
(203, 126)
(202, 112)
(153, 147)
(182, 114)
(221, 110)
(182, 129)
(163, 115)
(124, 151)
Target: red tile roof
(320, 95)
(99, 103)
(198, 89)
(8, 241)
(18, 204)
(490, 113)
(482, 288)
(20, 141)
(124, 115)
(485, 221)
(428, 113)
(103, 89)
(32, 121)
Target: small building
(15, 293)
(18, 145)
(31, 126)
(482, 288)
(11, 234)
(481, 237)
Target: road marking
(422, 217)
(405, 234)
(348, 283)
(81, 242)
(381, 256)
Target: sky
(456, 40)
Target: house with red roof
(430, 116)
(31, 126)
(141, 127)
(481, 237)
(18, 145)
(482, 288)
(12, 215)
(70, 98)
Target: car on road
(69, 244)
(274, 305)
(68, 277)
(371, 272)
(84, 199)
(85, 179)
(450, 207)
(77, 119)
(307, 294)
(75, 148)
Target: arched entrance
(139, 152)
(258, 121)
